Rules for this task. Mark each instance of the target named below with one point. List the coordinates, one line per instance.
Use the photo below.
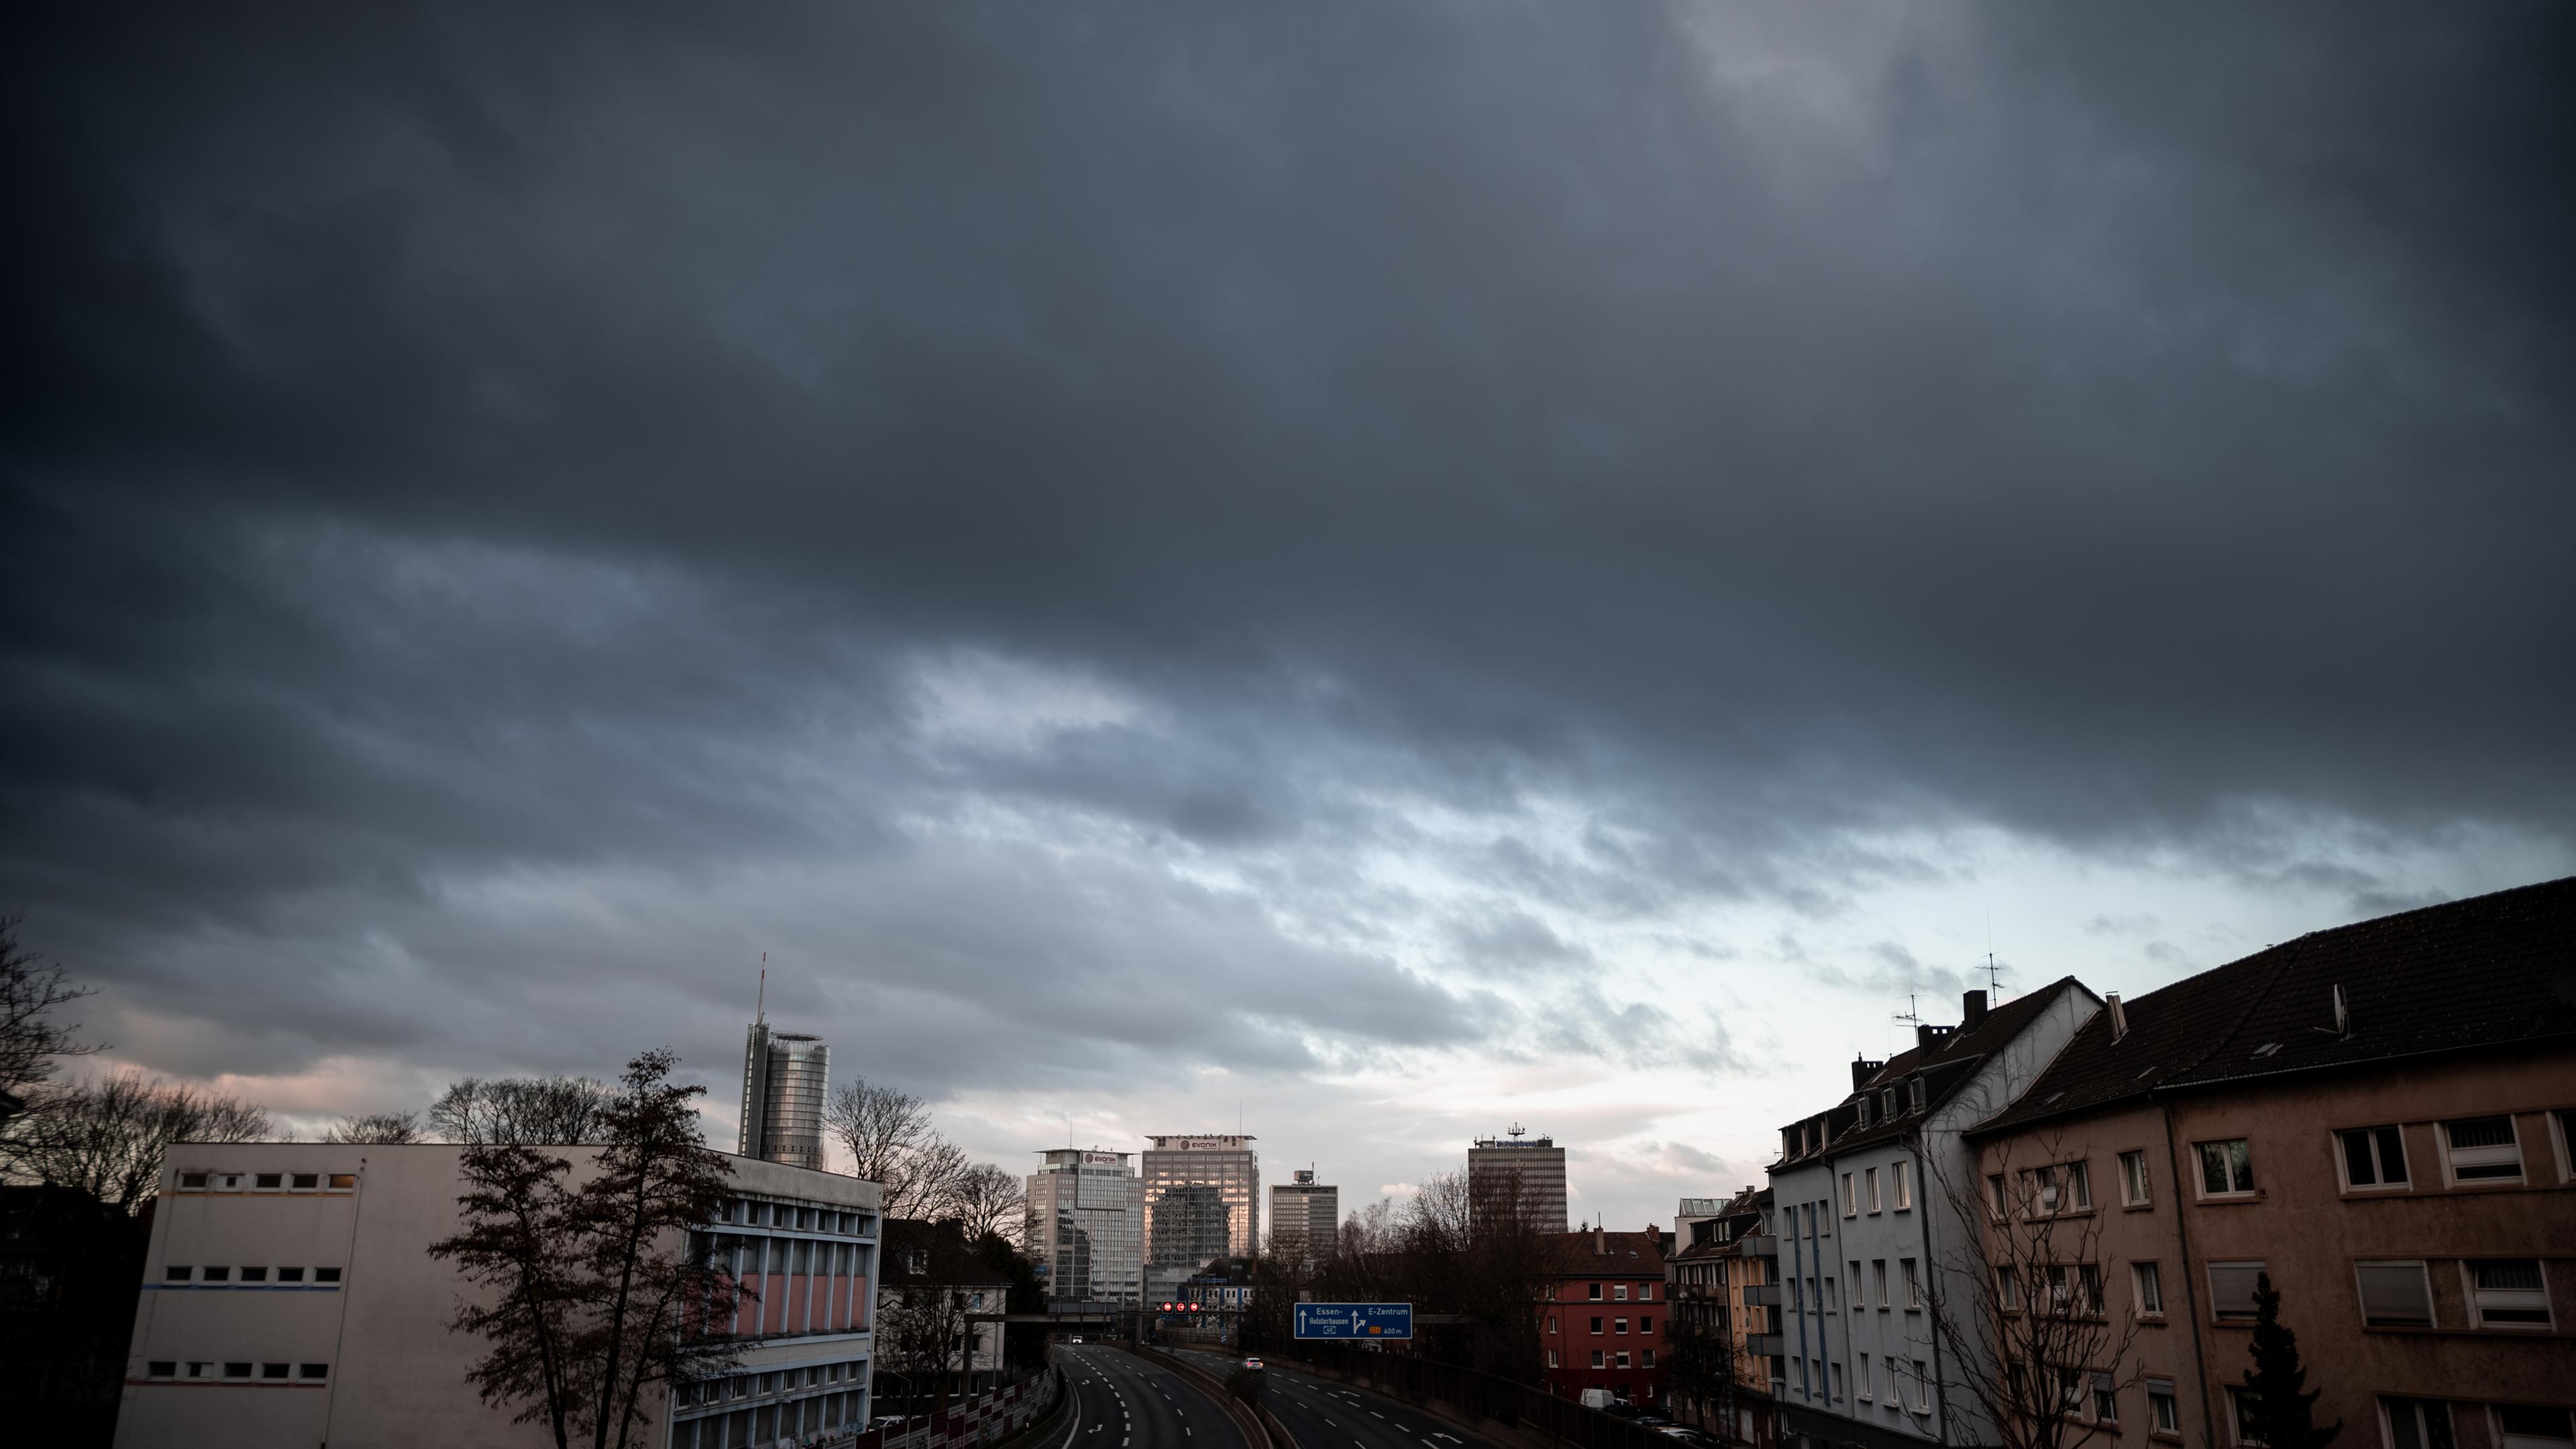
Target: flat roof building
(1305, 1216)
(1539, 1165)
(1086, 1226)
(1202, 1202)
(288, 1297)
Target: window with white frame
(2395, 1294)
(1904, 1181)
(2008, 1289)
(2164, 1411)
(1838, 1380)
(2508, 1293)
(2146, 1280)
(1922, 1388)
(2482, 1149)
(2226, 1168)
(2532, 1426)
(2372, 1157)
(1860, 1286)
(1869, 1175)
(1995, 1195)
(1851, 1200)
(2418, 1423)
(2133, 1178)
(2079, 1186)
(1887, 1102)
(1619, 1292)
(1917, 1086)
(1878, 1273)
(1863, 1377)
(2231, 1291)
(1913, 1285)
(1597, 1359)
(2106, 1400)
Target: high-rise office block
(785, 1076)
(1305, 1216)
(1086, 1226)
(1202, 1201)
(1533, 1171)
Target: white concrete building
(1305, 1216)
(1871, 1231)
(289, 1298)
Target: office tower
(1305, 1215)
(785, 1076)
(1086, 1226)
(1202, 1201)
(1538, 1164)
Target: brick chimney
(1972, 1010)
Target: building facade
(2374, 1118)
(1723, 1285)
(1535, 1164)
(1602, 1315)
(288, 1297)
(1305, 1217)
(1879, 1233)
(1086, 1226)
(931, 1291)
(1202, 1201)
(786, 1077)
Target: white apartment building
(289, 1298)
(1866, 1195)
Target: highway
(1128, 1403)
(1328, 1415)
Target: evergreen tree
(2280, 1408)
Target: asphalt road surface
(1328, 1415)
(1128, 1403)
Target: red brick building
(1603, 1321)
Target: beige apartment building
(289, 1298)
(2376, 1117)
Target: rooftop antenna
(760, 1004)
(1909, 1014)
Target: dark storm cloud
(461, 456)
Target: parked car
(1653, 1420)
(1686, 1434)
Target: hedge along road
(1128, 1403)
(1326, 1415)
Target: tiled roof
(1574, 1254)
(2490, 971)
(1946, 1062)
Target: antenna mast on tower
(760, 1003)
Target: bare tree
(33, 1037)
(1700, 1358)
(110, 1137)
(376, 1127)
(988, 1199)
(2023, 1318)
(538, 1111)
(596, 1291)
(891, 1142)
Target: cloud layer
(1398, 565)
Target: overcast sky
(1387, 568)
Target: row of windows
(176, 1273)
(218, 1371)
(1824, 1296)
(777, 1381)
(2508, 1293)
(1645, 1324)
(2427, 1424)
(2473, 1152)
(831, 1413)
(1609, 1358)
(747, 1256)
(268, 1182)
(1618, 1292)
(755, 1213)
(1862, 1195)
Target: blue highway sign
(1354, 1320)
